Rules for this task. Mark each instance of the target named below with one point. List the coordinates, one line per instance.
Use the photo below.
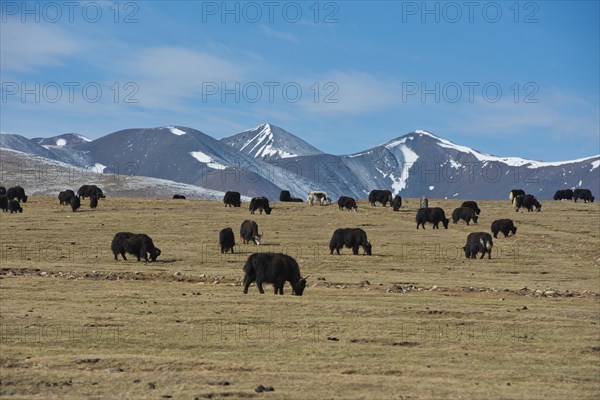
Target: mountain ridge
(266, 159)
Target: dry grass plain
(414, 321)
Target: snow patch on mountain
(176, 131)
(410, 158)
(208, 160)
(595, 164)
(454, 164)
(99, 168)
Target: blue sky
(518, 79)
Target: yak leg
(247, 281)
(144, 253)
(259, 283)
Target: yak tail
(510, 196)
(488, 245)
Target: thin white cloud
(24, 47)
(169, 75)
(279, 34)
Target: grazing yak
(527, 201)
(232, 199)
(435, 215)
(260, 204)
(138, 244)
(16, 192)
(397, 203)
(75, 203)
(179, 196)
(514, 193)
(226, 240)
(249, 231)
(2, 190)
(4, 202)
(275, 268)
(285, 196)
(478, 242)
(64, 198)
(506, 226)
(565, 194)
(348, 203)
(14, 207)
(465, 213)
(88, 190)
(93, 201)
(583, 194)
(471, 204)
(380, 196)
(424, 203)
(321, 197)
(350, 237)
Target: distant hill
(40, 175)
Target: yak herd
(278, 268)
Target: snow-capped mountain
(186, 155)
(269, 160)
(269, 142)
(20, 143)
(421, 163)
(436, 167)
(66, 139)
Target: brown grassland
(416, 320)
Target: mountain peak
(269, 142)
(66, 139)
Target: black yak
(16, 192)
(435, 215)
(249, 231)
(348, 203)
(583, 194)
(397, 203)
(471, 204)
(64, 198)
(506, 226)
(88, 190)
(226, 240)
(138, 244)
(350, 237)
(232, 199)
(260, 204)
(4, 202)
(465, 213)
(380, 196)
(14, 207)
(478, 242)
(75, 203)
(275, 268)
(93, 201)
